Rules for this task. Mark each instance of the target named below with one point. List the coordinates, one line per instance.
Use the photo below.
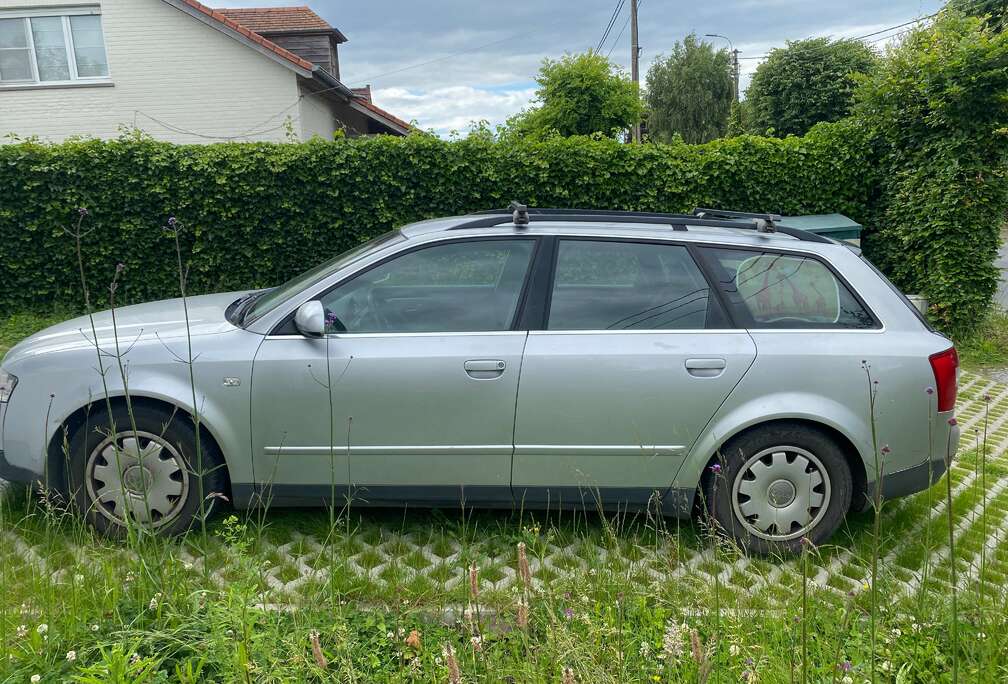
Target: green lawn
(608, 594)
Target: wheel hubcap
(137, 476)
(781, 493)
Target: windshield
(270, 299)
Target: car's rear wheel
(776, 485)
(149, 477)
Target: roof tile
(267, 19)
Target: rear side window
(610, 285)
(777, 290)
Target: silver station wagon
(529, 358)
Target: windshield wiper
(245, 305)
(235, 312)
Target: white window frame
(64, 14)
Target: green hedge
(937, 113)
(258, 213)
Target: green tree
(581, 94)
(994, 12)
(806, 82)
(937, 110)
(690, 93)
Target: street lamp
(735, 60)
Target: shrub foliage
(258, 213)
(937, 111)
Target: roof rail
(764, 223)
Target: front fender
(54, 386)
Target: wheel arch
(856, 463)
(56, 456)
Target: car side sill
(675, 503)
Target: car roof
(742, 236)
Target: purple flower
(569, 613)
(120, 267)
(929, 390)
(82, 211)
(987, 398)
(172, 222)
(886, 450)
(716, 468)
(749, 662)
(845, 666)
(953, 421)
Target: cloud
(453, 108)
(449, 62)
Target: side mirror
(310, 319)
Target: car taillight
(945, 366)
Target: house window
(52, 47)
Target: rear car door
(636, 356)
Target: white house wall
(172, 76)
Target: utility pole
(735, 71)
(734, 60)
(634, 60)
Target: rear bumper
(913, 480)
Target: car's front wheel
(775, 485)
(148, 474)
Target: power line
(622, 30)
(609, 27)
(976, 4)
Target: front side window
(777, 290)
(55, 48)
(609, 285)
(472, 286)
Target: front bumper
(13, 473)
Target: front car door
(424, 361)
(635, 358)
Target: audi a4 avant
(537, 358)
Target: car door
(424, 363)
(636, 356)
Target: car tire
(152, 476)
(773, 486)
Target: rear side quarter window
(767, 289)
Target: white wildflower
(42, 629)
(847, 680)
(22, 631)
(94, 628)
(674, 643)
(71, 656)
(645, 649)
(734, 650)
(35, 679)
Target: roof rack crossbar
(724, 213)
(714, 218)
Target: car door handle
(705, 368)
(485, 369)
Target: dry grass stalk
(316, 649)
(454, 674)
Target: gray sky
(503, 43)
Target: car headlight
(7, 384)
